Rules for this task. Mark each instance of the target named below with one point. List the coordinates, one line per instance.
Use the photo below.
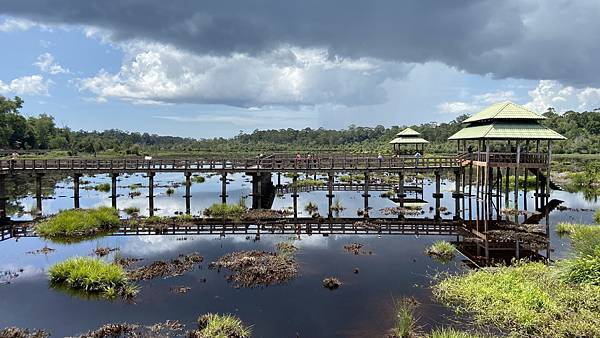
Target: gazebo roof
(409, 132)
(504, 111)
(507, 131)
(408, 140)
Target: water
(362, 307)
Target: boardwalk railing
(234, 164)
(495, 157)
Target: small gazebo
(407, 140)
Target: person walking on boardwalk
(417, 157)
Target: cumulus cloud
(15, 24)
(508, 39)
(153, 72)
(553, 94)
(47, 64)
(26, 85)
(476, 103)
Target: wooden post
(517, 180)
(438, 194)
(330, 195)
(188, 192)
(113, 189)
(401, 193)
(457, 194)
(537, 188)
(547, 195)
(3, 199)
(295, 195)
(366, 195)
(224, 188)
(151, 193)
(38, 192)
(76, 178)
(525, 176)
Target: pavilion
(406, 140)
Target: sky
(208, 69)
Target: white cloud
(26, 85)
(14, 24)
(477, 103)
(550, 93)
(47, 64)
(285, 76)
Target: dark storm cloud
(522, 39)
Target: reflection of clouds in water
(24, 272)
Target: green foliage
(584, 269)
(198, 179)
(214, 325)
(451, 333)
(132, 210)
(585, 240)
(597, 216)
(311, 207)
(91, 275)
(103, 187)
(404, 320)
(170, 191)
(135, 186)
(528, 299)
(223, 210)
(442, 250)
(309, 182)
(566, 228)
(79, 222)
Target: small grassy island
(79, 223)
(530, 299)
(441, 250)
(216, 325)
(92, 276)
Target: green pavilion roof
(504, 111)
(507, 130)
(408, 140)
(409, 132)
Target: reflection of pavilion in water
(502, 151)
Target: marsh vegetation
(76, 223)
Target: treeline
(40, 132)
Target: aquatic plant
(442, 250)
(337, 206)
(309, 182)
(198, 179)
(135, 186)
(184, 218)
(15, 332)
(526, 299)
(585, 240)
(220, 326)
(132, 210)
(170, 191)
(92, 275)
(388, 194)
(79, 222)
(331, 283)
(225, 210)
(404, 319)
(451, 333)
(584, 269)
(597, 216)
(102, 187)
(564, 228)
(311, 208)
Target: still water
(362, 307)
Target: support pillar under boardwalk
(401, 193)
(188, 192)
(3, 199)
(113, 189)
(366, 195)
(38, 192)
(223, 188)
(263, 190)
(457, 195)
(295, 195)
(150, 176)
(330, 193)
(438, 195)
(76, 178)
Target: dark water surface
(362, 307)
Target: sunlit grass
(220, 326)
(224, 210)
(79, 222)
(442, 250)
(404, 319)
(102, 187)
(452, 333)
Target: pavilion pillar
(330, 195)
(38, 192)
(457, 194)
(401, 193)
(279, 179)
(113, 189)
(295, 195)
(188, 192)
(547, 195)
(151, 193)
(507, 187)
(498, 191)
(76, 178)
(224, 188)
(470, 178)
(366, 195)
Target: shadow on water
(362, 306)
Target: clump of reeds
(311, 208)
(102, 187)
(441, 250)
(198, 179)
(79, 222)
(216, 325)
(405, 323)
(170, 191)
(132, 210)
(224, 210)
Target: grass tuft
(132, 210)
(92, 276)
(451, 333)
(405, 323)
(102, 187)
(79, 222)
(224, 210)
(441, 250)
(565, 229)
(220, 326)
(597, 216)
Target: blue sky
(203, 81)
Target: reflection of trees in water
(19, 185)
(590, 193)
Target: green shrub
(91, 275)
(225, 210)
(585, 240)
(566, 228)
(597, 216)
(170, 191)
(103, 187)
(79, 222)
(582, 270)
(198, 179)
(220, 326)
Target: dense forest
(40, 132)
